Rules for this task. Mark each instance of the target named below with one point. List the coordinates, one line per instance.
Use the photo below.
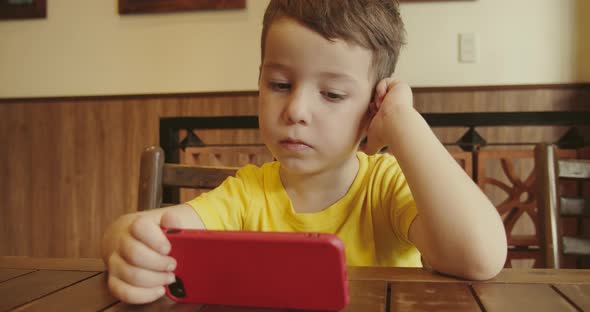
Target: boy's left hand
(392, 96)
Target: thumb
(171, 220)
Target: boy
(323, 86)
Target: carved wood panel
(229, 156)
(507, 178)
(465, 160)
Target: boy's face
(314, 97)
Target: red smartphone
(259, 269)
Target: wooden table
(47, 284)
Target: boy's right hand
(135, 251)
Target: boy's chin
(299, 166)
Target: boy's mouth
(294, 144)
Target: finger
(380, 90)
(392, 83)
(385, 86)
(150, 233)
(171, 220)
(137, 276)
(400, 93)
(132, 294)
(138, 254)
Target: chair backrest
(154, 174)
(552, 206)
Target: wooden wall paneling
(15, 167)
(482, 99)
(7, 163)
(70, 167)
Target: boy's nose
(297, 110)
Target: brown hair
(372, 24)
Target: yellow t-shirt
(372, 219)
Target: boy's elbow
(477, 264)
(485, 265)
(487, 256)
(483, 271)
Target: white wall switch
(468, 48)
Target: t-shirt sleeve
(223, 208)
(397, 200)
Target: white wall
(86, 48)
(520, 42)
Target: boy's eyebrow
(339, 76)
(329, 75)
(274, 66)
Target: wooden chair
(224, 156)
(505, 178)
(154, 174)
(552, 205)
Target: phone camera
(177, 288)
(173, 231)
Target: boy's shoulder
(376, 161)
(380, 169)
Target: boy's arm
(457, 230)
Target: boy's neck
(315, 192)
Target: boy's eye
(334, 97)
(279, 86)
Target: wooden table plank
(521, 297)
(221, 308)
(367, 296)
(532, 276)
(542, 276)
(23, 289)
(397, 274)
(162, 304)
(6, 274)
(88, 295)
(428, 296)
(70, 264)
(578, 294)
